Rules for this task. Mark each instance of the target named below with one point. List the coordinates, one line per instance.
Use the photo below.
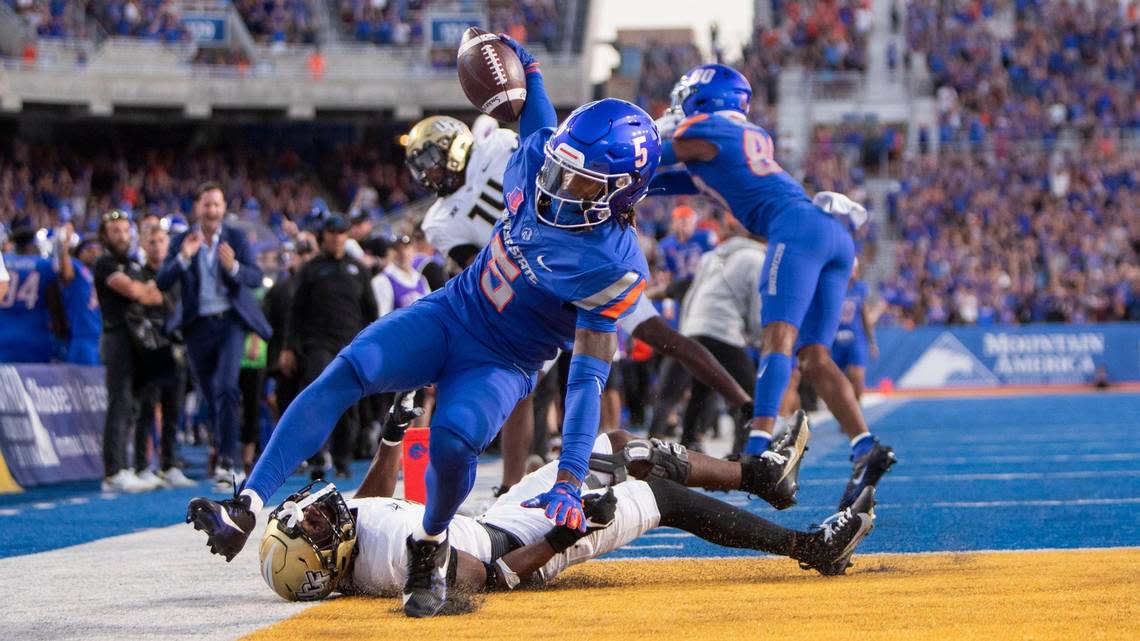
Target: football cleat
(867, 471)
(425, 589)
(834, 541)
(227, 524)
(774, 475)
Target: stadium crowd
(1063, 66)
(1017, 238)
(380, 22)
(46, 184)
(824, 34)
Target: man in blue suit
(217, 271)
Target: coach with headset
(217, 272)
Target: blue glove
(525, 56)
(563, 504)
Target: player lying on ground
(317, 543)
(465, 170)
(561, 268)
(809, 259)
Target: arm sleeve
(538, 112)
(584, 384)
(674, 182)
(668, 154)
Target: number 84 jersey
(744, 176)
(533, 284)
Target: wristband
(562, 538)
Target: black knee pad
(655, 458)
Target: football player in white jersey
(465, 170)
(317, 543)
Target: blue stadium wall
(948, 357)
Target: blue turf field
(1041, 471)
(1021, 472)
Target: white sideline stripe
(1013, 458)
(1007, 476)
(667, 535)
(9, 511)
(1037, 503)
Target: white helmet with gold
(437, 150)
(308, 544)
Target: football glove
(599, 509)
(227, 524)
(400, 416)
(525, 57)
(563, 505)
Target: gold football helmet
(308, 544)
(437, 152)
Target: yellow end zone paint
(1077, 594)
(8, 485)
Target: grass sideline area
(974, 596)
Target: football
(491, 75)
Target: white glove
(840, 205)
(667, 124)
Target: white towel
(840, 205)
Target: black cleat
(774, 475)
(867, 471)
(833, 542)
(227, 524)
(425, 589)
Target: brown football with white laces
(491, 75)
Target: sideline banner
(51, 422)
(934, 357)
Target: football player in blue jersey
(855, 341)
(560, 269)
(30, 309)
(809, 259)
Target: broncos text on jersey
(534, 283)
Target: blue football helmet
(711, 88)
(598, 164)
